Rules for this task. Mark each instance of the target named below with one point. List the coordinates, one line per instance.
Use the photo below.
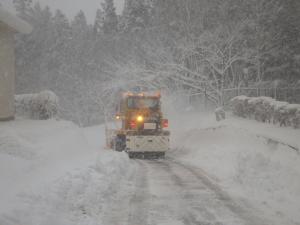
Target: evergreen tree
(79, 24)
(34, 51)
(110, 22)
(286, 33)
(23, 8)
(61, 24)
(61, 36)
(136, 15)
(99, 22)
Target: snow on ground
(53, 172)
(251, 160)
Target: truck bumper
(149, 144)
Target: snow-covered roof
(14, 22)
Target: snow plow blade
(147, 146)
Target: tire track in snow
(167, 192)
(186, 195)
(138, 205)
(118, 208)
(165, 205)
(176, 196)
(246, 213)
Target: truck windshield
(142, 103)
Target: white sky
(71, 7)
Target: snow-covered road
(167, 192)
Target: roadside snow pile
(50, 173)
(40, 106)
(79, 197)
(266, 109)
(242, 156)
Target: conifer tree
(136, 15)
(110, 22)
(99, 22)
(23, 8)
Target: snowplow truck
(142, 132)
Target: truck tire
(120, 143)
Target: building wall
(7, 73)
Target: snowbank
(251, 160)
(51, 173)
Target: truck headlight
(140, 118)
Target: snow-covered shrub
(263, 109)
(296, 120)
(220, 114)
(266, 109)
(239, 105)
(292, 114)
(278, 111)
(41, 106)
(254, 105)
